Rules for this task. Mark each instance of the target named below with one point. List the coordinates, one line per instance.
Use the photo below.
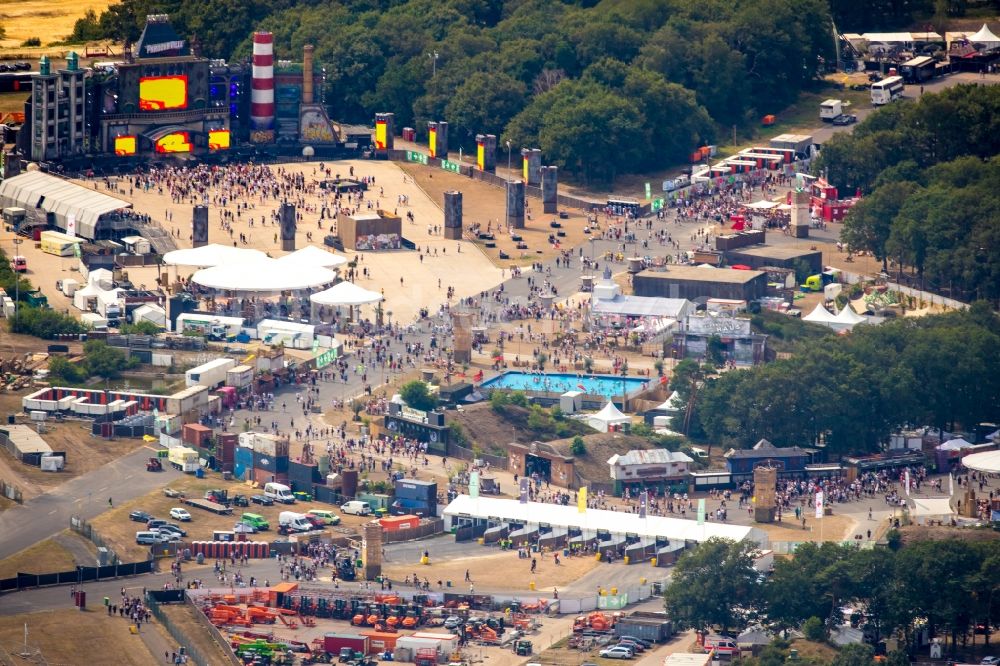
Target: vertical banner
(315, 346)
(432, 141)
(524, 490)
(907, 482)
(643, 503)
(474, 484)
(649, 192)
(71, 225)
(480, 156)
(581, 500)
(819, 504)
(701, 511)
(380, 130)
(524, 169)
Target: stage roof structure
(210, 255)
(263, 276)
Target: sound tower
(286, 214)
(453, 215)
(199, 226)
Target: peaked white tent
(820, 315)
(211, 255)
(985, 36)
(607, 418)
(346, 294)
(311, 255)
(848, 317)
(672, 404)
(956, 444)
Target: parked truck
(183, 458)
(290, 521)
(830, 109)
(209, 505)
(211, 374)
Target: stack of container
(268, 457)
(225, 450)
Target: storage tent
(643, 306)
(346, 294)
(311, 255)
(592, 521)
(150, 312)
(211, 255)
(263, 276)
(607, 418)
(39, 191)
(988, 461)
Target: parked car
(632, 645)
(172, 529)
(328, 517)
(140, 516)
(244, 528)
(641, 641)
(990, 660)
(317, 522)
(148, 538)
(453, 622)
(845, 119)
(178, 513)
(170, 492)
(155, 522)
(617, 652)
(262, 500)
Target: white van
(356, 508)
(294, 522)
(279, 492)
(721, 645)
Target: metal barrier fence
(24, 581)
(923, 296)
(86, 530)
(178, 634)
(462, 453)
(11, 492)
(426, 528)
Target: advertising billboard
(160, 93)
(480, 156)
(178, 142)
(432, 141)
(125, 145)
(380, 130)
(218, 139)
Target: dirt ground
(83, 453)
(183, 617)
(498, 571)
(833, 528)
(115, 527)
(49, 555)
(60, 634)
(486, 204)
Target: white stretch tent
(311, 255)
(211, 255)
(50, 194)
(763, 205)
(988, 461)
(346, 294)
(615, 522)
(263, 276)
(607, 417)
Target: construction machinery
(522, 648)
(154, 465)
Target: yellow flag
(581, 500)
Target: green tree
(104, 360)
(417, 395)
(857, 654)
(814, 629)
(144, 327)
(715, 584)
(869, 223)
(578, 447)
(72, 373)
(44, 323)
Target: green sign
(414, 156)
(326, 358)
(657, 204)
(649, 192)
(701, 512)
(454, 167)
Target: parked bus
(887, 90)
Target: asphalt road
(86, 496)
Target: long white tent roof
(310, 255)
(263, 276)
(346, 293)
(613, 522)
(988, 461)
(211, 255)
(37, 190)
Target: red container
(226, 449)
(333, 642)
(196, 434)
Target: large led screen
(218, 139)
(178, 142)
(125, 145)
(159, 93)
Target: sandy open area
(499, 570)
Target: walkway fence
(25, 581)
(156, 599)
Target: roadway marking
(52, 511)
(101, 490)
(129, 477)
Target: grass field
(59, 636)
(49, 20)
(44, 557)
(12, 102)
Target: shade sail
(211, 255)
(311, 255)
(346, 294)
(268, 275)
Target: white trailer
(211, 326)
(830, 109)
(239, 377)
(209, 374)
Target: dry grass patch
(44, 557)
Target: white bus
(887, 90)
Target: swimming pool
(606, 385)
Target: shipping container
(357, 642)
(395, 523)
(196, 434)
(58, 243)
(647, 625)
(380, 641)
(239, 377)
(209, 374)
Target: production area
(280, 389)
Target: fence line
(463, 453)
(933, 299)
(81, 575)
(427, 527)
(11, 492)
(86, 530)
(176, 632)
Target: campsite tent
(608, 418)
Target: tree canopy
(602, 87)
(418, 396)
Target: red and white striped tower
(262, 82)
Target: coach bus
(887, 90)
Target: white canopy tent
(311, 255)
(210, 255)
(263, 276)
(849, 318)
(616, 523)
(607, 418)
(763, 204)
(346, 294)
(986, 37)
(820, 315)
(956, 444)
(988, 461)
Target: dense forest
(601, 87)
(851, 392)
(932, 183)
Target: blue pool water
(606, 385)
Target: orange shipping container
(380, 641)
(394, 523)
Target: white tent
(820, 315)
(672, 404)
(848, 317)
(986, 37)
(956, 444)
(211, 255)
(607, 418)
(988, 461)
(101, 278)
(45, 193)
(311, 255)
(263, 276)
(763, 204)
(346, 294)
(150, 312)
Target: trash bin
(201, 558)
(565, 552)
